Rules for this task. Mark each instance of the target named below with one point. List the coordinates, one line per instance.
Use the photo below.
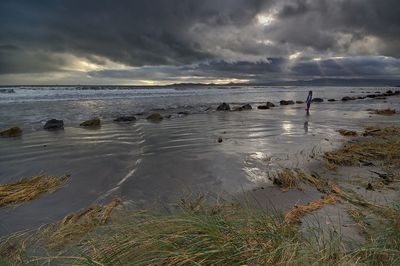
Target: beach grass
(27, 189)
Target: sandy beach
(153, 165)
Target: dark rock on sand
(155, 117)
(370, 187)
(299, 102)
(331, 100)
(263, 107)
(361, 97)
(94, 122)
(284, 102)
(219, 140)
(317, 100)
(347, 98)
(223, 107)
(269, 104)
(389, 92)
(11, 132)
(54, 124)
(244, 107)
(371, 96)
(183, 113)
(125, 119)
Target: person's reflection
(306, 126)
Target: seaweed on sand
(293, 178)
(387, 111)
(27, 189)
(347, 133)
(295, 214)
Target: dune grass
(27, 189)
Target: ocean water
(157, 163)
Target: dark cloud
(169, 39)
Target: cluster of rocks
(7, 91)
(377, 95)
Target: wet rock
(371, 96)
(155, 117)
(243, 108)
(347, 98)
(94, 122)
(389, 92)
(11, 132)
(183, 113)
(284, 102)
(125, 119)
(317, 100)
(7, 91)
(269, 104)
(299, 102)
(331, 100)
(361, 97)
(223, 107)
(370, 187)
(219, 140)
(263, 107)
(54, 124)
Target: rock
(269, 104)
(155, 117)
(125, 119)
(370, 187)
(317, 100)
(183, 113)
(223, 107)
(11, 132)
(389, 92)
(331, 100)
(360, 97)
(347, 98)
(243, 107)
(219, 140)
(94, 122)
(7, 91)
(371, 96)
(263, 107)
(54, 124)
(299, 102)
(284, 102)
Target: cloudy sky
(148, 42)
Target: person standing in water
(308, 101)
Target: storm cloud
(166, 41)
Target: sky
(158, 42)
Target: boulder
(299, 102)
(94, 122)
(347, 98)
(125, 119)
(331, 100)
(11, 132)
(155, 117)
(269, 104)
(243, 107)
(284, 102)
(223, 107)
(263, 107)
(317, 100)
(54, 124)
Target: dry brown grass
(387, 111)
(347, 133)
(76, 225)
(297, 212)
(385, 147)
(27, 189)
(381, 131)
(294, 178)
